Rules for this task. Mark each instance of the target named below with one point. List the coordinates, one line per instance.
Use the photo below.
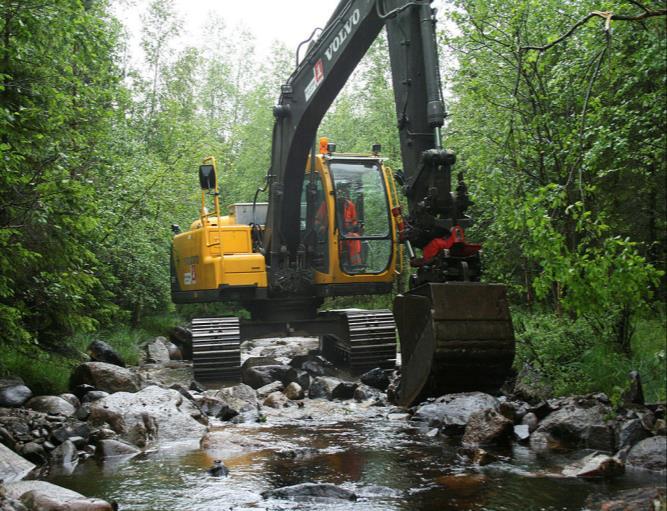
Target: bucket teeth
(216, 348)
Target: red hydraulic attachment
(456, 243)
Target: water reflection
(390, 466)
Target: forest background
(557, 114)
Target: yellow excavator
(333, 226)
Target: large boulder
(152, 414)
(631, 432)
(310, 490)
(100, 351)
(12, 466)
(43, 496)
(157, 351)
(259, 376)
(51, 404)
(242, 398)
(376, 378)
(323, 387)
(107, 377)
(594, 466)
(650, 454)
(580, 422)
(110, 448)
(487, 427)
(13, 392)
(452, 412)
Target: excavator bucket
(455, 337)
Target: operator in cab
(350, 227)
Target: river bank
(144, 438)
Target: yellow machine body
(215, 259)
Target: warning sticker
(190, 277)
(318, 76)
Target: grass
(48, 373)
(575, 360)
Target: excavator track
(370, 341)
(455, 337)
(216, 348)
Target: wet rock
(580, 422)
(264, 391)
(107, 377)
(63, 433)
(13, 393)
(376, 378)
(100, 351)
(508, 409)
(310, 490)
(463, 485)
(313, 368)
(323, 387)
(344, 391)
(634, 393)
(110, 448)
(80, 390)
(299, 453)
(43, 496)
(303, 378)
(452, 411)
(259, 376)
(241, 398)
(175, 352)
(630, 433)
(183, 391)
(215, 407)
(638, 499)
(595, 465)
(228, 443)
(276, 400)
(51, 404)
(364, 392)
(157, 351)
(153, 414)
(481, 457)
(34, 452)
(83, 412)
(218, 469)
(521, 432)
(65, 456)
(12, 466)
(93, 395)
(649, 454)
(294, 391)
(71, 399)
(487, 427)
(530, 420)
(182, 337)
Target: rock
(34, 453)
(481, 457)
(157, 351)
(310, 490)
(323, 387)
(364, 392)
(344, 391)
(80, 390)
(215, 407)
(83, 412)
(509, 410)
(531, 385)
(218, 469)
(301, 377)
(579, 423)
(313, 368)
(65, 456)
(71, 399)
(264, 391)
(241, 398)
(487, 427)
(43, 496)
(152, 414)
(376, 378)
(276, 400)
(521, 432)
(182, 337)
(634, 395)
(258, 361)
(63, 433)
(93, 395)
(259, 376)
(12, 466)
(595, 465)
(649, 454)
(174, 351)
(110, 448)
(51, 404)
(530, 420)
(630, 433)
(294, 391)
(638, 499)
(227, 443)
(107, 377)
(452, 411)
(100, 351)
(14, 394)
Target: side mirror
(207, 177)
